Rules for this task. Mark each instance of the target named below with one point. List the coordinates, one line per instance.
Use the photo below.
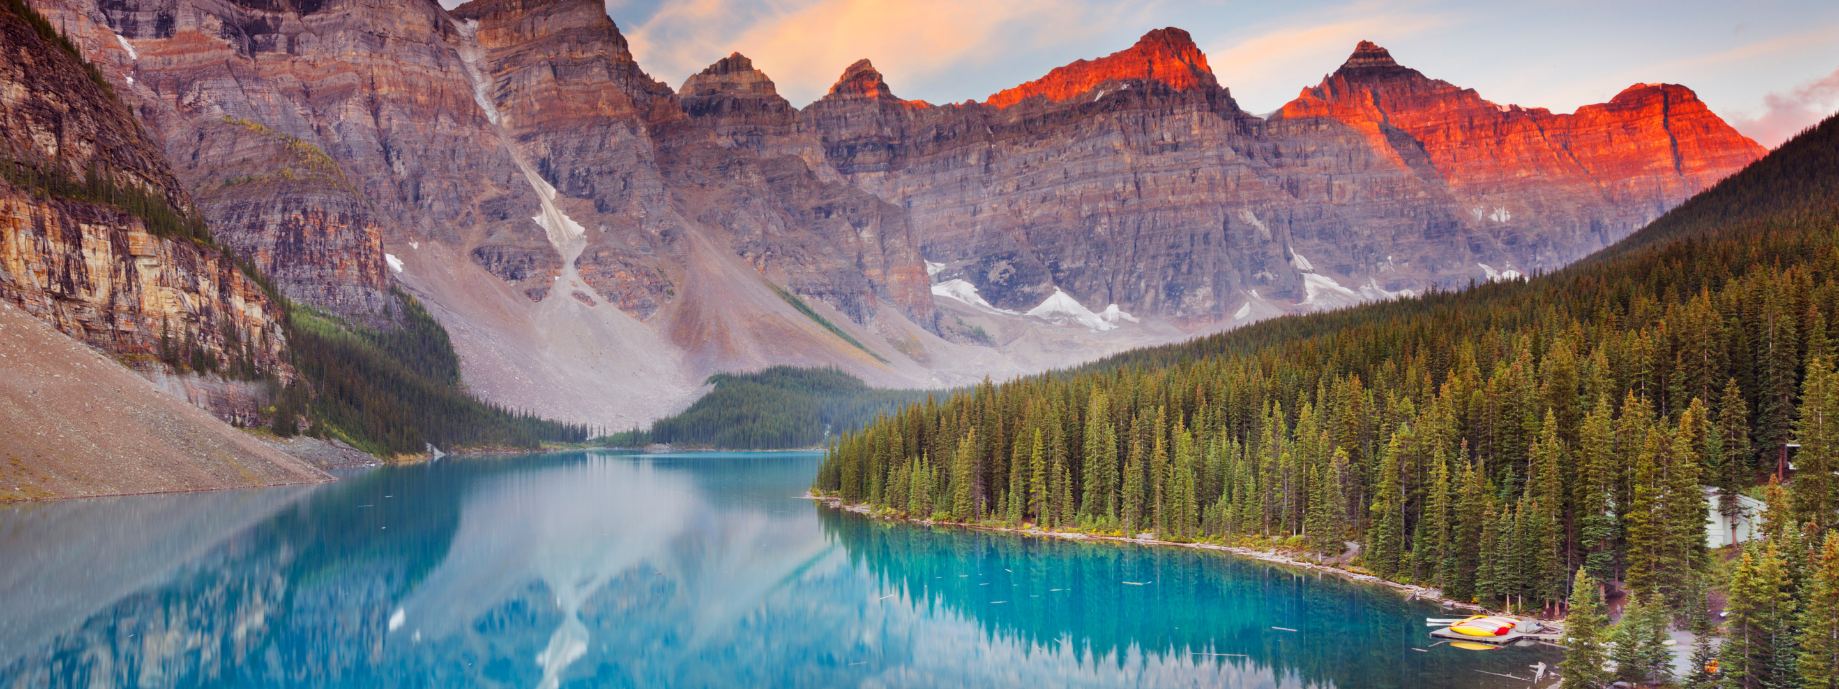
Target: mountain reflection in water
(612, 570)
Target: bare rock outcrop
(94, 225)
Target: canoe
(1480, 625)
(1472, 646)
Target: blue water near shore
(603, 569)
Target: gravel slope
(74, 423)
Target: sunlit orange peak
(1166, 55)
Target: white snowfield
(966, 292)
(395, 263)
(1371, 291)
(933, 268)
(1325, 293)
(1509, 274)
(1063, 309)
(1059, 309)
(1112, 313)
(1301, 263)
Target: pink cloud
(1786, 114)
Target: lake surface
(601, 569)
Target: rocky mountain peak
(1165, 55)
(569, 34)
(861, 80)
(1370, 61)
(733, 76)
(735, 63)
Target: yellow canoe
(1482, 625)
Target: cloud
(804, 45)
(1267, 68)
(1786, 114)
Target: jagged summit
(1166, 55)
(1369, 54)
(734, 63)
(861, 80)
(734, 76)
(1370, 60)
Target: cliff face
(1135, 179)
(286, 206)
(1149, 189)
(1555, 187)
(82, 185)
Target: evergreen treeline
(1492, 442)
(390, 391)
(780, 407)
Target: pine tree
(1037, 481)
(1819, 622)
(1596, 521)
(1758, 613)
(964, 478)
(1683, 508)
(1646, 527)
(1584, 657)
(1386, 535)
(1737, 470)
(1546, 566)
(1133, 485)
(919, 497)
(1434, 522)
(1061, 505)
(1818, 433)
(1641, 655)
(1487, 575)
(1461, 565)
(1777, 357)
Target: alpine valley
(595, 243)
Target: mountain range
(596, 243)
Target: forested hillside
(397, 389)
(1491, 442)
(778, 408)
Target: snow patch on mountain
(1493, 275)
(1301, 263)
(966, 292)
(395, 263)
(933, 268)
(125, 45)
(1252, 219)
(1326, 294)
(1063, 309)
(1112, 314)
(1371, 291)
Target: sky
(1769, 67)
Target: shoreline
(1427, 593)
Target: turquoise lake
(603, 569)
